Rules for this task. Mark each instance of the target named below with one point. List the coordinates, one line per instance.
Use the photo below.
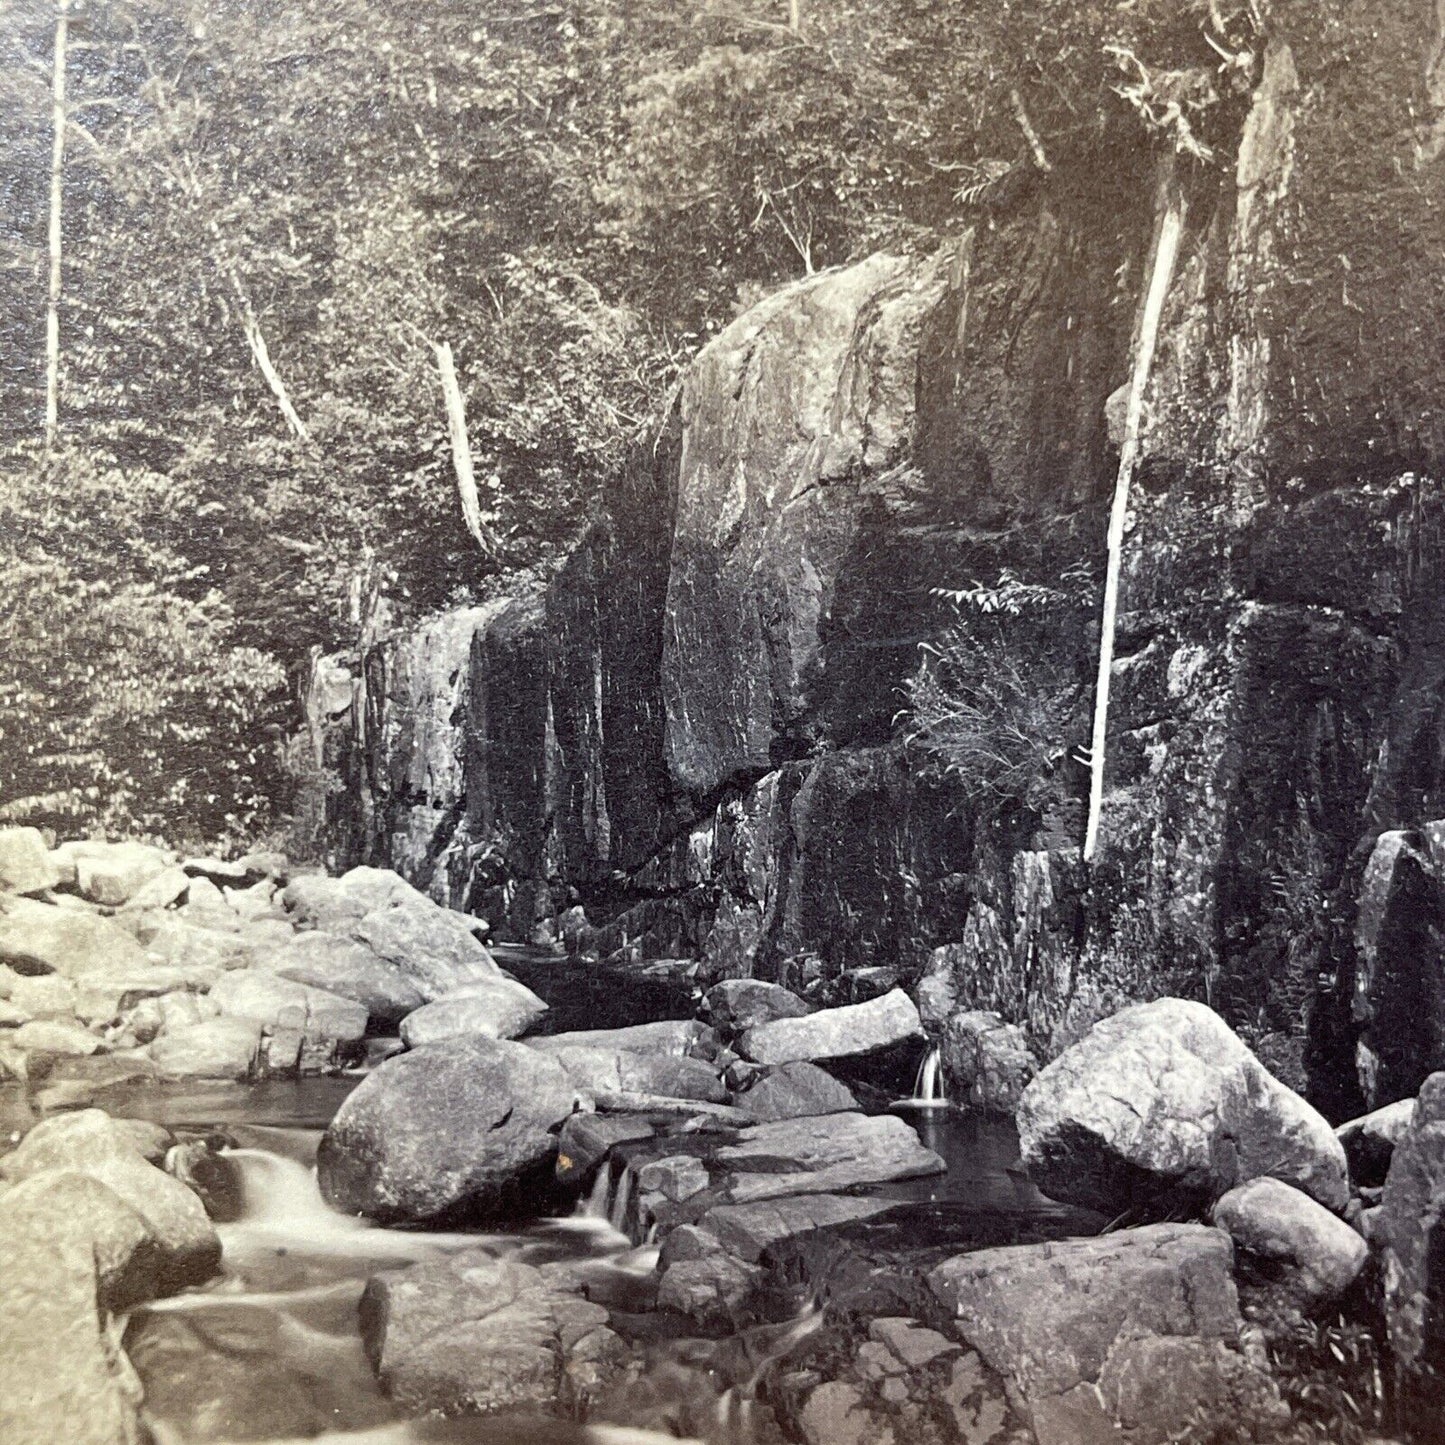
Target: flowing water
(271, 1351)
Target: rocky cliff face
(699, 726)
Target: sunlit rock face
(699, 724)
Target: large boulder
(677, 1037)
(25, 863)
(318, 901)
(1409, 1230)
(216, 1048)
(112, 874)
(836, 1033)
(433, 947)
(322, 1023)
(185, 1248)
(1292, 1256)
(794, 1091)
(1369, 1141)
(41, 938)
(610, 1073)
(738, 1004)
(348, 969)
(63, 1377)
(1130, 1336)
(499, 1008)
(461, 1128)
(478, 1335)
(54, 1036)
(987, 1062)
(819, 1155)
(1163, 1106)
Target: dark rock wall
(697, 726)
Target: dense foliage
(273, 212)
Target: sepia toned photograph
(722, 721)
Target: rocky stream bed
(298, 1157)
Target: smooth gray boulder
(348, 969)
(38, 937)
(170, 885)
(1291, 1254)
(54, 1036)
(1133, 1335)
(460, 1128)
(835, 1033)
(988, 1063)
(477, 1335)
(738, 1004)
(499, 1008)
(1162, 1106)
(794, 1091)
(186, 1248)
(25, 862)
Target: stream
(271, 1350)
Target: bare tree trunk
(795, 16)
(461, 448)
(57, 177)
(1166, 250)
(257, 342)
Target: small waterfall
(765, 1345)
(929, 1089)
(621, 1201)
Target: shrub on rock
(461, 1128)
(1162, 1106)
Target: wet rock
(112, 874)
(602, 1072)
(820, 1155)
(348, 969)
(218, 1048)
(41, 938)
(703, 1281)
(1135, 1333)
(324, 1021)
(51, 1036)
(479, 1335)
(1409, 1231)
(794, 1091)
(499, 1008)
(465, 1127)
(185, 1247)
(836, 1033)
(73, 1082)
(738, 1004)
(1162, 1105)
(988, 1062)
(25, 862)
(434, 948)
(1291, 1254)
(1369, 1141)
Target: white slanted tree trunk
(1168, 232)
(462, 448)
